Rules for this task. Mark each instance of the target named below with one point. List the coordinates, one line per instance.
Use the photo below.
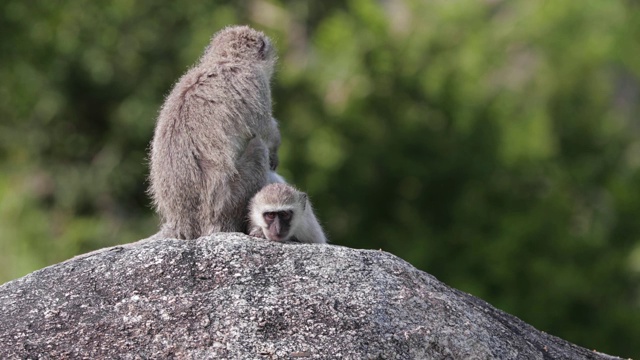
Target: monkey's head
(241, 43)
(278, 209)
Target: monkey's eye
(285, 215)
(270, 215)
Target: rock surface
(230, 296)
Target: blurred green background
(494, 144)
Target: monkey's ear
(265, 48)
(303, 199)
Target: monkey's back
(202, 130)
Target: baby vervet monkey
(215, 142)
(279, 212)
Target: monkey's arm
(253, 165)
(252, 172)
(274, 177)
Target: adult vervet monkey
(215, 142)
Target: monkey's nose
(276, 226)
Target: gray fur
(274, 177)
(215, 141)
(305, 227)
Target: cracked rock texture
(231, 296)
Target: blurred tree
(493, 144)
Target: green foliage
(493, 144)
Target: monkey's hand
(257, 232)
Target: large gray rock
(234, 297)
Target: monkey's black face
(278, 224)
